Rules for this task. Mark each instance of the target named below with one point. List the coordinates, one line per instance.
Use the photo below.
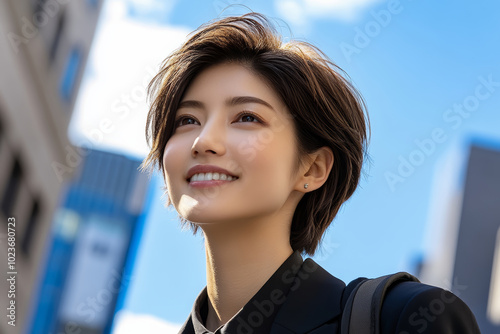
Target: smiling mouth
(213, 180)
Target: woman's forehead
(232, 84)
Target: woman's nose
(211, 140)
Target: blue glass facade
(90, 243)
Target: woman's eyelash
(241, 114)
(180, 119)
(249, 113)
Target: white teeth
(212, 176)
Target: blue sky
(416, 64)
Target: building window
(12, 188)
(99, 249)
(30, 227)
(1, 128)
(1, 136)
(70, 74)
(38, 6)
(1, 125)
(93, 3)
(61, 21)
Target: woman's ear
(317, 169)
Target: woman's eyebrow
(236, 100)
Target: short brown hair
(325, 107)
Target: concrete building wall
(479, 225)
(36, 155)
(463, 232)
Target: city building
(463, 243)
(93, 235)
(43, 51)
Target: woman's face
(214, 127)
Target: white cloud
(299, 12)
(130, 323)
(110, 112)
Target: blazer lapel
(313, 299)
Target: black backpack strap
(362, 309)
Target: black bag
(362, 310)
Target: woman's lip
(207, 169)
(212, 183)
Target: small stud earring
(306, 185)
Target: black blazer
(314, 300)
(410, 307)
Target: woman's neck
(240, 259)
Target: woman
(260, 143)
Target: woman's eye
(180, 121)
(247, 116)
